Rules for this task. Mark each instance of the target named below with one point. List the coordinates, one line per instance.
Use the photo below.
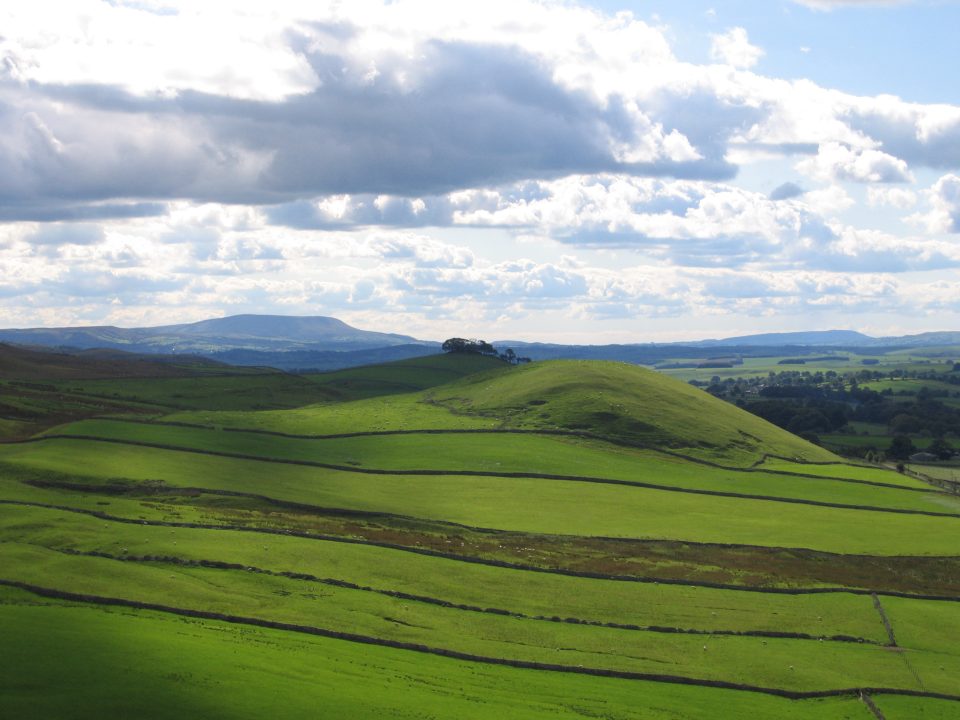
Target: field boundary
(885, 620)
(483, 473)
(457, 655)
(525, 431)
(872, 706)
(400, 595)
(500, 563)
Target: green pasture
(804, 665)
(762, 366)
(163, 666)
(911, 386)
(13, 428)
(496, 453)
(262, 391)
(925, 624)
(850, 471)
(898, 707)
(394, 412)
(532, 505)
(535, 594)
(945, 471)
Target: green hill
(404, 376)
(625, 403)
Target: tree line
(482, 347)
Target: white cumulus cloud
(837, 162)
(733, 48)
(944, 201)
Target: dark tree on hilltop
(460, 345)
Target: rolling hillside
(624, 403)
(455, 537)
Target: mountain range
(325, 343)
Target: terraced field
(453, 537)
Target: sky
(614, 171)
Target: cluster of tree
(482, 347)
(813, 416)
(811, 404)
(461, 345)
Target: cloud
(786, 191)
(87, 283)
(733, 48)
(421, 251)
(899, 198)
(339, 211)
(53, 212)
(69, 234)
(944, 201)
(837, 162)
(683, 223)
(927, 135)
(394, 101)
(479, 115)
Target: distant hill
(273, 328)
(929, 339)
(326, 343)
(845, 338)
(262, 333)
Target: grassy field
(813, 362)
(562, 507)
(674, 557)
(534, 594)
(39, 389)
(183, 668)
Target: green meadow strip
(576, 509)
(812, 470)
(489, 562)
(83, 597)
(177, 561)
(483, 473)
(231, 671)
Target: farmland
(455, 537)
(882, 408)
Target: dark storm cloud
(476, 115)
(62, 212)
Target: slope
(624, 403)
